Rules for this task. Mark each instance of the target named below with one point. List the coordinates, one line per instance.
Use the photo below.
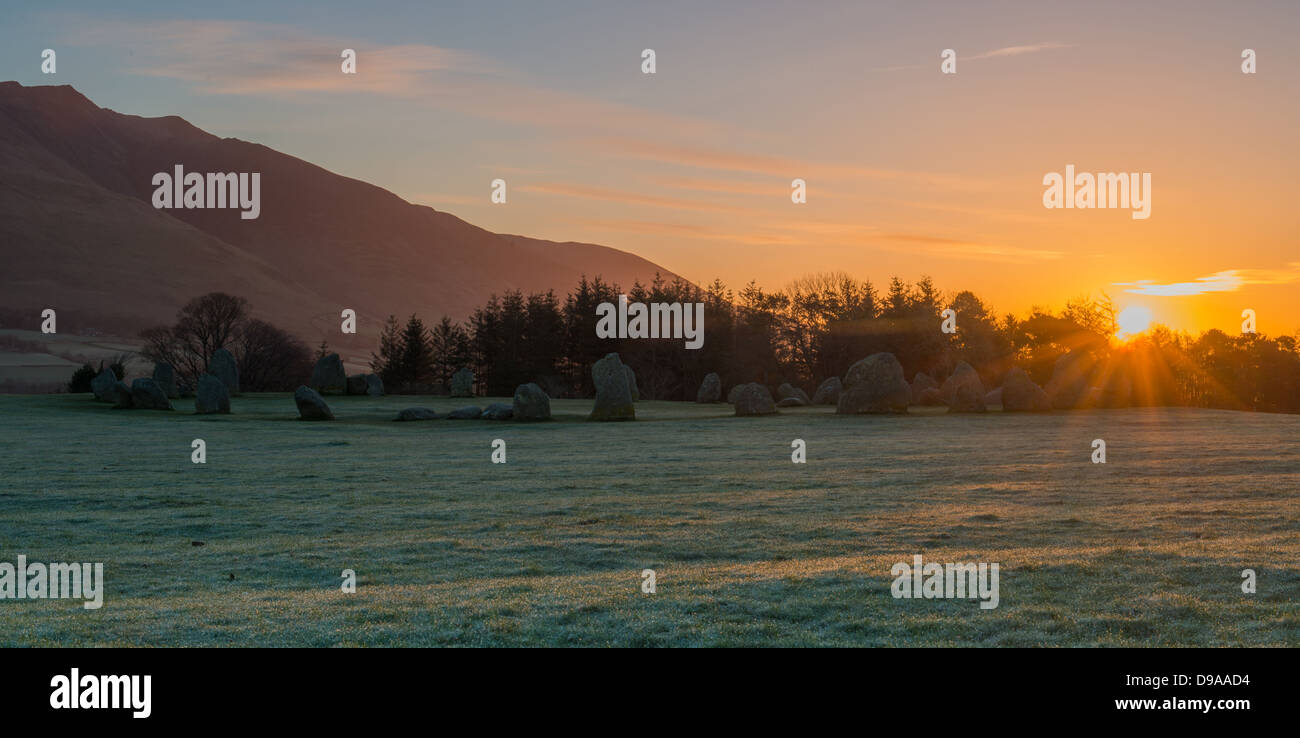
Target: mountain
(78, 231)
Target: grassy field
(749, 549)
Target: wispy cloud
(1005, 51)
(1229, 280)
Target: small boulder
(787, 390)
(356, 384)
(828, 392)
(165, 375)
(469, 412)
(211, 397)
(1020, 394)
(416, 413)
(754, 399)
(147, 394)
(874, 385)
(329, 377)
(920, 383)
(734, 393)
(531, 403)
(462, 383)
(311, 406)
(711, 389)
(498, 411)
(374, 385)
(790, 402)
(222, 366)
(962, 391)
(104, 386)
(613, 396)
(993, 397)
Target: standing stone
(147, 394)
(1020, 394)
(920, 383)
(787, 391)
(613, 396)
(1069, 386)
(222, 366)
(531, 403)
(828, 393)
(734, 393)
(122, 398)
(930, 397)
(356, 383)
(211, 397)
(462, 383)
(711, 389)
(329, 377)
(754, 399)
(631, 383)
(874, 385)
(962, 391)
(374, 385)
(103, 385)
(498, 411)
(311, 406)
(165, 376)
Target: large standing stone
(787, 390)
(920, 383)
(874, 385)
(462, 383)
(329, 377)
(734, 393)
(356, 383)
(374, 385)
(1069, 386)
(1020, 394)
(147, 394)
(498, 411)
(754, 399)
(165, 375)
(417, 413)
(828, 393)
(122, 399)
(711, 389)
(222, 366)
(211, 397)
(311, 406)
(632, 389)
(531, 403)
(469, 412)
(613, 396)
(963, 391)
(103, 386)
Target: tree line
(813, 329)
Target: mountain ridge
(78, 230)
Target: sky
(910, 172)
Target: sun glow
(1133, 320)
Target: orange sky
(910, 172)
